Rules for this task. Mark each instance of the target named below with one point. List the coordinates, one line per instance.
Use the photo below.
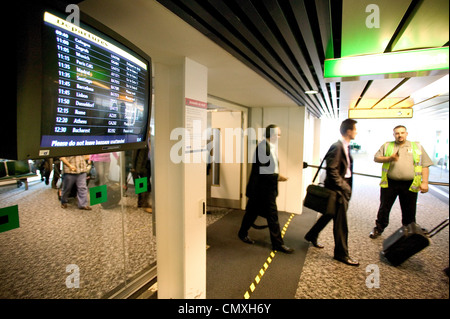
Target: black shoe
(314, 242)
(347, 261)
(284, 249)
(246, 239)
(375, 233)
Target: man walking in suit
(339, 179)
(262, 190)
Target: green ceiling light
(387, 63)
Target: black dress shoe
(375, 233)
(347, 261)
(246, 239)
(314, 242)
(284, 249)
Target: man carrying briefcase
(339, 179)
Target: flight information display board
(96, 91)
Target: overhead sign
(380, 113)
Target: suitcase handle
(438, 228)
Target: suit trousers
(340, 226)
(267, 208)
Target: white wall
(291, 121)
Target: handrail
(306, 165)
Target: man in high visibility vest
(404, 173)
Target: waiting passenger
(102, 163)
(75, 169)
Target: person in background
(339, 178)
(56, 172)
(404, 173)
(102, 163)
(75, 168)
(141, 168)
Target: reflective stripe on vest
(417, 158)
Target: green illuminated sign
(385, 63)
(98, 195)
(9, 218)
(140, 185)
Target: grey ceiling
(286, 42)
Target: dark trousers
(82, 191)
(266, 208)
(408, 202)
(340, 228)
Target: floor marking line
(266, 264)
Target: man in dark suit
(262, 190)
(339, 179)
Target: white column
(180, 187)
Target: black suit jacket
(336, 168)
(263, 182)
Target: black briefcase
(408, 241)
(320, 199)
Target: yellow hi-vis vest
(417, 158)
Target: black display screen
(96, 90)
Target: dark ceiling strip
(391, 91)
(392, 106)
(264, 23)
(266, 36)
(245, 29)
(336, 26)
(431, 108)
(241, 29)
(333, 89)
(323, 34)
(363, 92)
(317, 12)
(189, 10)
(282, 19)
(270, 33)
(435, 112)
(407, 17)
(426, 100)
(303, 22)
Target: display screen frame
(31, 112)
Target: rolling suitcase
(407, 241)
